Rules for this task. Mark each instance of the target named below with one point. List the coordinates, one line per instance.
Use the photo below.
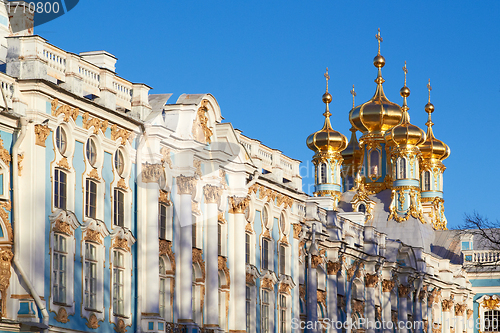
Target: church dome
(405, 134)
(326, 139)
(378, 114)
(433, 148)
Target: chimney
(101, 59)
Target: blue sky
(264, 63)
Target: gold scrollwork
(4, 153)
(117, 133)
(165, 249)
(164, 197)
(238, 204)
(92, 322)
(121, 243)
(64, 109)
(62, 316)
(41, 134)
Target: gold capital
(237, 205)
(387, 285)
(186, 184)
(41, 132)
(212, 193)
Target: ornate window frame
(64, 223)
(374, 176)
(121, 240)
(94, 232)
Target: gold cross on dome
(429, 88)
(327, 78)
(406, 71)
(353, 93)
(379, 38)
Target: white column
(403, 307)
(371, 281)
(447, 305)
(237, 207)
(151, 245)
(469, 320)
(417, 311)
(185, 186)
(430, 318)
(387, 286)
(312, 291)
(332, 268)
(212, 196)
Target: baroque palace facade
(124, 211)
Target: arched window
(362, 208)
(402, 168)
(165, 289)
(374, 163)
(427, 180)
(491, 321)
(222, 300)
(322, 173)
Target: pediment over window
(122, 238)
(95, 231)
(64, 221)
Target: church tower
(403, 141)
(327, 145)
(433, 151)
(373, 119)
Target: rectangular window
(265, 254)
(282, 260)
(60, 189)
(118, 283)
(193, 226)
(264, 328)
(248, 307)
(247, 248)
(59, 269)
(90, 198)
(90, 276)
(162, 221)
(282, 313)
(465, 246)
(119, 207)
(219, 236)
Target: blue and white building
(125, 211)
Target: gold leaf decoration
(119, 133)
(41, 134)
(62, 316)
(6, 256)
(63, 163)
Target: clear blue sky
(264, 63)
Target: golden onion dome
(433, 148)
(405, 134)
(327, 139)
(378, 114)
